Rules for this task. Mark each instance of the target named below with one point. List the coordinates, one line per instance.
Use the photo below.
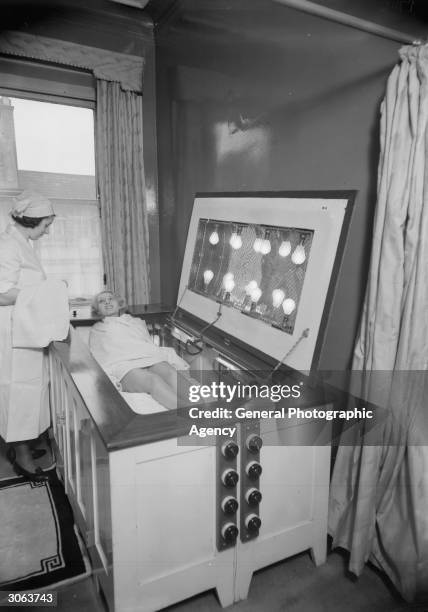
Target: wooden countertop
(120, 427)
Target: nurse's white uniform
(24, 398)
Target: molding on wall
(108, 65)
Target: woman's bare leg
(166, 372)
(179, 380)
(143, 380)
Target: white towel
(142, 403)
(40, 315)
(121, 344)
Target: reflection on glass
(248, 267)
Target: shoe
(11, 455)
(37, 476)
(36, 453)
(50, 467)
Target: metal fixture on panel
(227, 492)
(312, 8)
(251, 471)
(135, 3)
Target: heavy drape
(379, 494)
(120, 173)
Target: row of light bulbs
(263, 245)
(254, 292)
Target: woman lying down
(124, 349)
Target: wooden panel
(177, 495)
(71, 440)
(164, 528)
(101, 502)
(84, 465)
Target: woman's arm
(8, 297)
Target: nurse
(24, 400)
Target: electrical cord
(304, 334)
(194, 347)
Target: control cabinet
(166, 519)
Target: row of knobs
(230, 504)
(230, 531)
(230, 479)
(254, 469)
(231, 449)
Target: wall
(114, 27)
(267, 98)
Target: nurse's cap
(31, 204)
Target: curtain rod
(349, 20)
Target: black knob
(254, 469)
(230, 450)
(253, 497)
(229, 505)
(253, 523)
(229, 532)
(254, 443)
(230, 478)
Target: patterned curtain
(379, 493)
(120, 172)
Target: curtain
(379, 493)
(120, 172)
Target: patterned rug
(39, 546)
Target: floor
(294, 585)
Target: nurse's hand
(8, 298)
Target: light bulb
(250, 287)
(214, 238)
(257, 246)
(265, 247)
(208, 276)
(256, 294)
(229, 285)
(288, 306)
(235, 241)
(299, 255)
(285, 248)
(228, 282)
(277, 297)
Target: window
(49, 148)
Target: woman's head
(33, 213)
(108, 304)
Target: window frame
(47, 82)
(53, 83)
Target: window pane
(49, 148)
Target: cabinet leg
(242, 585)
(319, 551)
(225, 594)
